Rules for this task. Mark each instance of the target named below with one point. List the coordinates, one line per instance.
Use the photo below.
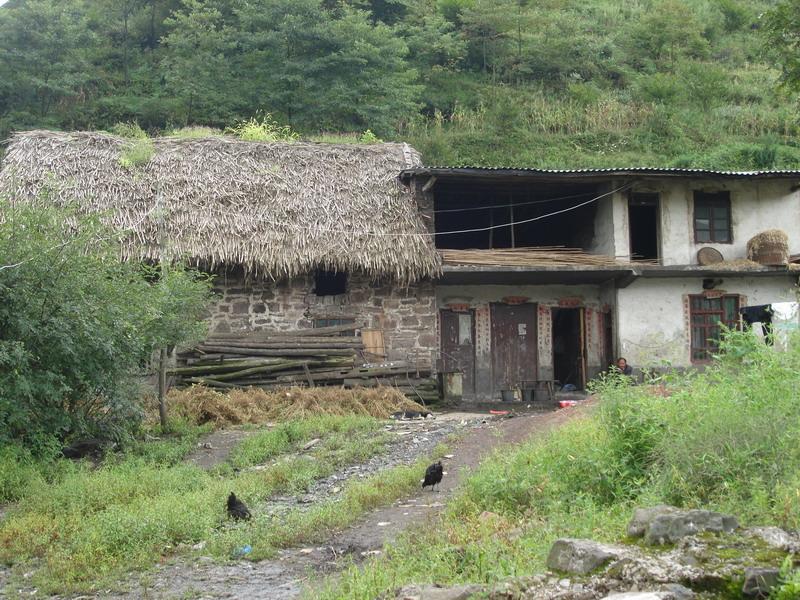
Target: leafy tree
(196, 70)
(323, 69)
(669, 31)
(782, 29)
(45, 62)
(77, 325)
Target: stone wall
(405, 314)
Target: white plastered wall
(652, 325)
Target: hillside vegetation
(556, 83)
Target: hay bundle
(254, 405)
(770, 247)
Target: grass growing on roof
(725, 439)
(84, 527)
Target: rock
(311, 444)
(759, 581)
(638, 596)
(671, 527)
(433, 592)
(580, 556)
(776, 537)
(642, 517)
(678, 592)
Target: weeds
(138, 148)
(264, 130)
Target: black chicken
(433, 475)
(237, 509)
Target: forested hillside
(557, 83)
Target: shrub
(264, 130)
(76, 326)
(138, 148)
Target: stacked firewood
(314, 357)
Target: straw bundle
(277, 209)
(770, 247)
(203, 405)
(540, 256)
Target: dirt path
(286, 576)
(216, 447)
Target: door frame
(465, 393)
(657, 204)
(581, 340)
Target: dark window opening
(568, 354)
(335, 322)
(507, 215)
(330, 283)
(643, 218)
(707, 314)
(712, 217)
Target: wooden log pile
(314, 357)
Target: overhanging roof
(587, 275)
(489, 173)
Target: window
(334, 322)
(712, 217)
(330, 283)
(706, 315)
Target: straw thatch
(278, 209)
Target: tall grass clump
(138, 149)
(265, 129)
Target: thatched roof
(277, 209)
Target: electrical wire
(526, 203)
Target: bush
(264, 130)
(77, 325)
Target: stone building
(298, 234)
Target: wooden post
(163, 261)
(162, 388)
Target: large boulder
(642, 517)
(670, 527)
(639, 596)
(581, 556)
(776, 537)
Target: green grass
(85, 526)
(725, 440)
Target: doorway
(643, 221)
(569, 355)
(458, 353)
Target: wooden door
(458, 347)
(513, 345)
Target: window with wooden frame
(706, 316)
(712, 217)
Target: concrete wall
(755, 207)
(407, 315)
(653, 321)
(595, 299)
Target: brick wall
(405, 314)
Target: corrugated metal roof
(477, 171)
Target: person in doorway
(623, 367)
